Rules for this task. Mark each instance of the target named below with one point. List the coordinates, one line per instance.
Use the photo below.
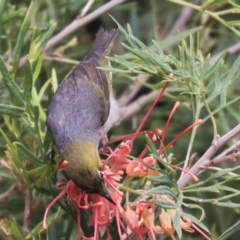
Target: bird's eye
(100, 173)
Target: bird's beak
(106, 195)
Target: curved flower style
(103, 210)
(120, 174)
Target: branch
(75, 25)
(27, 212)
(180, 24)
(185, 179)
(86, 8)
(232, 50)
(141, 101)
(138, 104)
(132, 90)
(232, 157)
(5, 195)
(228, 150)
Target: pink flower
(103, 210)
(138, 216)
(136, 169)
(131, 219)
(118, 160)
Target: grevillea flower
(103, 210)
(138, 169)
(118, 160)
(142, 219)
(137, 216)
(131, 219)
(166, 222)
(148, 218)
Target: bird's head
(84, 168)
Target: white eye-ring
(100, 173)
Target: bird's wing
(80, 106)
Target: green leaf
(36, 122)
(209, 3)
(234, 23)
(13, 151)
(196, 221)
(38, 66)
(5, 173)
(2, 4)
(177, 38)
(26, 154)
(163, 190)
(11, 110)
(16, 230)
(230, 231)
(22, 33)
(234, 4)
(220, 174)
(153, 150)
(35, 50)
(16, 162)
(50, 220)
(195, 206)
(122, 30)
(235, 114)
(213, 188)
(28, 85)
(48, 34)
(163, 204)
(13, 88)
(232, 73)
(163, 165)
(176, 223)
(12, 14)
(43, 89)
(38, 170)
(227, 204)
(163, 180)
(31, 131)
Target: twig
(5, 195)
(143, 100)
(217, 169)
(185, 179)
(191, 161)
(232, 50)
(75, 25)
(228, 150)
(86, 8)
(27, 212)
(180, 24)
(232, 157)
(59, 59)
(139, 103)
(132, 90)
(78, 23)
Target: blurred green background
(149, 20)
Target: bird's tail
(103, 43)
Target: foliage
(207, 89)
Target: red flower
(138, 216)
(103, 210)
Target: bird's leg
(103, 141)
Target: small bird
(82, 111)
